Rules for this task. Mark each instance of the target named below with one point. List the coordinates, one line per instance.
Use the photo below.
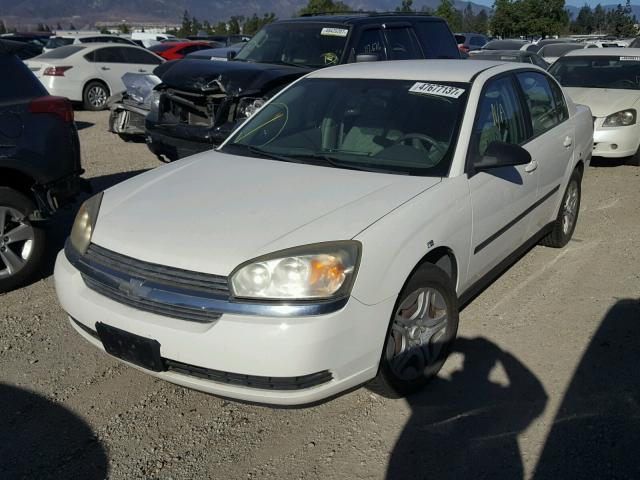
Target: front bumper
(615, 142)
(346, 343)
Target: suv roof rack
(364, 13)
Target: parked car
(90, 73)
(23, 50)
(39, 166)
(35, 42)
(178, 50)
(535, 47)
(468, 42)
(369, 235)
(81, 39)
(149, 39)
(519, 56)
(202, 102)
(223, 53)
(608, 81)
(550, 53)
(130, 107)
(226, 40)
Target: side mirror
(231, 54)
(366, 58)
(501, 154)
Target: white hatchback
(334, 235)
(90, 73)
(608, 81)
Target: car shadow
(82, 125)
(467, 426)
(596, 432)
(600, 162)
(42, 439)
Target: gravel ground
(544, 382)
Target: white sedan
(608, 81)
(90, 73)
(333, 237)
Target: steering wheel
(424, 139)
(625, 82)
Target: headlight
(319, 271)
(154, 100)
(84, 223)
(621, 118)
(248, 106)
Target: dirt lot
(545, 381)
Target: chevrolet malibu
(608, 81)
(335, 234)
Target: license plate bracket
(141, 351)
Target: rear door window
(436, 40)
(402, 44)
(545, 113)
(371, 42)
(109, 55)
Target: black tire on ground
(94, 96)
(565, 222)
(14, 201)
(405, 372)
(635, 159)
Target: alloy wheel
(570, 208)
(97, 96)
(16, 241)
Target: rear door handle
(531, 166)
(568, 141)
(105, 68)
(142, 70)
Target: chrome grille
(160, 274)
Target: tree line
(507, 18)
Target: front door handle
(142, 70)
(568, 141)
(105, 68)
(531, 166)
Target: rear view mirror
(366, 58)
(501, 154)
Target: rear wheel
(21, 242)
(422, 331)
(95, 96)
(565, 222)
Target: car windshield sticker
(334, 32)
(435, 89)
(630, 59)
(330, 58)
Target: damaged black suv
(200, 102)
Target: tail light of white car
(55, 71)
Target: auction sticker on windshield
(435, 89)
(334, 32)
(630, 59)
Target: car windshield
(559, 49)
(615, 72)
(55, 42)
(391, 126)
(308, 45)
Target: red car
(178, 50)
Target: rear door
(110, 65)
(552, 140)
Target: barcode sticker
(435, 89)
(334, 32)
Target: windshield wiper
(267, 154)
(334, 162)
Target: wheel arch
(444, 258)
(17, 180)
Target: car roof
(88, 35)
(488, 53)
(355, 18)
(605, 52)
(420, 70)
(185, 44)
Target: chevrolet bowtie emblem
(135, 289)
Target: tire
(94, 96)
(21, 242)
(565, 222)
(421, 332)
(635, 159)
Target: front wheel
(421, 333)
(565, 222)
(21, 242)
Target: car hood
(234, 78)
(603, 101)
(213, 211)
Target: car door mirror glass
(501, 154)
